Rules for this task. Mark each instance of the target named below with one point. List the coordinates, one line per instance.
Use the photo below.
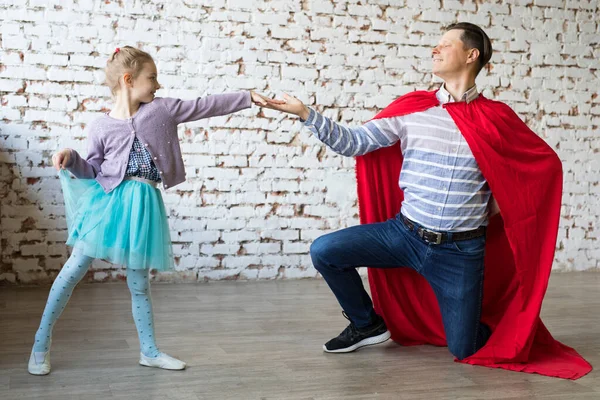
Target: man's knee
(462, 345)
(320, 249)
(461, 350)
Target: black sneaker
(353, 338)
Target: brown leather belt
(442, 237)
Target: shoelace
(352, 327)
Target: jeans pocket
(470, 246)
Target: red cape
(525, 176)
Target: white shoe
(163, 361)
(39, 367)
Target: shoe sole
(142, 363)
(37, 373)
(365, 342)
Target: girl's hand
(263, 101)
(61, 158)
(291, 105)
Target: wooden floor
(262, 340)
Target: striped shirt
(444, 189)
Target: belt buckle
(438, 236)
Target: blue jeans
(453, 269)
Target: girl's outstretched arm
(213, 105)
(205, 107)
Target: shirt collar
(445, 97)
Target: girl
(115, 211)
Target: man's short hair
(474, 38)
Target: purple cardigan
(155, 125)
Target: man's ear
(473, 56)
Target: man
(440, 232)
(445, 197)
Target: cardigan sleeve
(205, 107)
(89, 167)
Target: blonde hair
(123, 60)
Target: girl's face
(145, 84)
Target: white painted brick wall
(260, 187)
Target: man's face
(450, 57)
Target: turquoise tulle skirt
(127, 226)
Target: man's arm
(493, 208)
(355, 141)
(344, 140)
